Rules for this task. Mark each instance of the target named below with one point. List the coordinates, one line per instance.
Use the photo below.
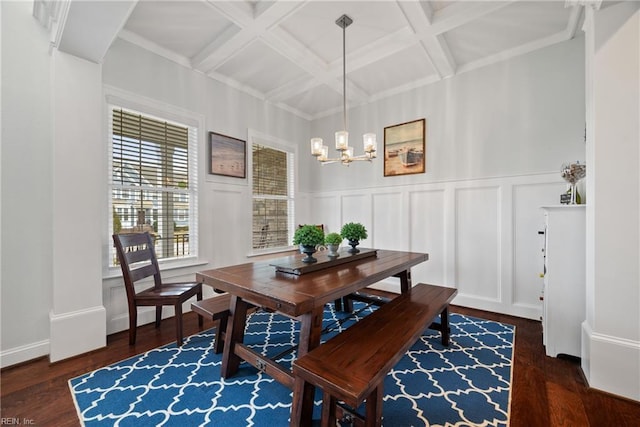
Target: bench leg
(234, 334)
(405, 281)
(302, 402)
(200, 319)
(218, 346)
(328, 410)
(344, 304)
(444, 324)
(373, 417)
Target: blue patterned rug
(466, 384)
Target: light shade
(342, 140)
(369, 142)
(324, 153)
(316, 146)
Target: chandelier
(321, 151)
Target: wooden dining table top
(259, 283)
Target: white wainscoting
(391, 229)
(481, 235)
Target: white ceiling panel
(316, 101)
(409, 65)
(512, 26)
(261, 67)
(314, 25)
(289, 52)
(184, 27)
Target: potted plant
(333, 240)
(308, 236)
(353, 232)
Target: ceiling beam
(87, 29)
(248, 28)
(458, 14)
(434, 44)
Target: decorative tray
(293, 264)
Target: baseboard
(77, 332)
(497, 306)
(23, 353)
(611, 364)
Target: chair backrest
(137, 259)
(320, 226)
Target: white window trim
(128, 100)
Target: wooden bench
(216, 308)
(351, 367)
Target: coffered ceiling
(289, 52)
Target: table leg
(310, 330)
(234, 334)
(405, 280)
(444, 325)
(303, 393)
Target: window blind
(273, 197)
(153, 184)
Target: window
(153, 181)
(273, 197)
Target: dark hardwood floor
(546, 391)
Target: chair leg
(178, 324)
(158, 315)
(133, 324)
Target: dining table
(285, 285)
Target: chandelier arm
(329, 161)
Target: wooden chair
(138, 260)
(320, 226)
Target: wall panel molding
(480, 234)
(477, 241)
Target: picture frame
(227, 156)
(405, 148)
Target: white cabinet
(563, 309)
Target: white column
(611, 332)
(77, 317)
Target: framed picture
(227, 155)
(404, 148)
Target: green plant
(353, 231)
(308, 235)
(333, 239)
